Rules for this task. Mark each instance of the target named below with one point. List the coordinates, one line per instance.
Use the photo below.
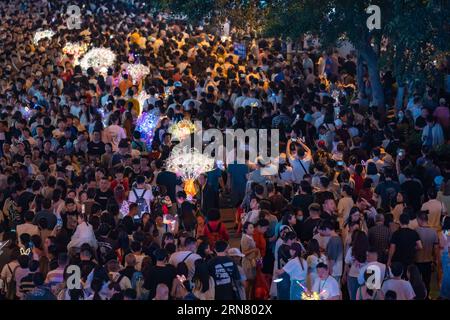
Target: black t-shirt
(86, 267)
(414, 192)
(303, 201)
(221, 269)
(169, 180)
(103, 197)
(157, 275)
(405, 245)
(309, 225)
(96, 149)
(187, 215)
(24, 200)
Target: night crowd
(358, 186)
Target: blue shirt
(238, 174)
(213, 178)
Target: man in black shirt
(413, 190)
(96, 147)
(186, 212)
(224, 272)
(104, 193)
(46, 214)
(160, 273)
(311, 223)
(167, 179)
(404, 244)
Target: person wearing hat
(297, 268)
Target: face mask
(300, 218)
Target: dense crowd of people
(357, 186)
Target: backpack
(214, 236)
(10, 287)
(141, 202)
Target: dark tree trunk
(360, 74)
(371, 59)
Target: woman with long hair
(297, 268)
(355, 259)
(313, 258)
(399, 206)
(251, 252)
(204, 286)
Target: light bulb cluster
(75, 49)
(189, 163)
(181, 130)
(100, 59)
(137, 72)
(44, 34)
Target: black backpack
(141, 202)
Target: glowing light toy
(146, 124)
(124, 208)
(100, 59)
(26, 113)
(44, 34)
(189, 164)
(75, 49)
(181, 130)
(137, 72)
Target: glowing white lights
(137, 72)
(100, 59)
(45, 34)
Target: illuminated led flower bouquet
(189, 164)
(100, 59)
(137, 72)
(75, 49)
(44, 34)
(181, 130)
(146, 124)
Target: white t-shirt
(402, 288)
(148, 196)
(179, 256)
(327, 288)
(296, 270)
(297, 170)
(355, 265)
